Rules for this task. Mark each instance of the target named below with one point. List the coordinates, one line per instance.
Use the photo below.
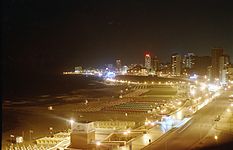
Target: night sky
(56, 35)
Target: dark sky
(54, 35)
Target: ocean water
(21, 93)
(17, 87)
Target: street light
(51, 131)
(71, 123)
(86, 102)
(216, 137)
(98, 143)
(128, 131)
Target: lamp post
(71, 121)
(216, 139)
(51, 131)
(98, 144)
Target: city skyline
(104, 31)
(117, 74)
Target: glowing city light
(152, 123)
(216, 137)
(71, 121)
(193, 77)
(127, 132)
(192, 92)
(146, 138)
(98, 143)
(213, 87)
(203, 86)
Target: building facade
(216, 53)
(176, 64)
(82, 135)
(155, 64)
(224, 62)
(188, 61)
(137, 70)
(148, 61)
(118, 65)
(201, 64)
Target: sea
(16, 87)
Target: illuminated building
(209, 72)
(188, 60)
(148, 61)
(216, 53)
(82, 135)
(137, 70)
(124, 69)
(176, 64)
(109, 67)
(188, 63)
(230, 73)
(165, 68)
(223, 64)
(132, 65)
(118, 65)
(78, 69)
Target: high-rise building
(155, 64)
(216, 53)
(226, 60)
(165, 68)
(176, 64)
(118, 65)
(209, 72)
(230, 73)
(223, 65)
(201, 64)
(188, 61)
(148, 61)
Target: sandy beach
(23, 115)
(30, 117)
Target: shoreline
(38, 118)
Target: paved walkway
(153, 134)
(221, 132)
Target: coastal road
(197, 128)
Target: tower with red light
(148, 61)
